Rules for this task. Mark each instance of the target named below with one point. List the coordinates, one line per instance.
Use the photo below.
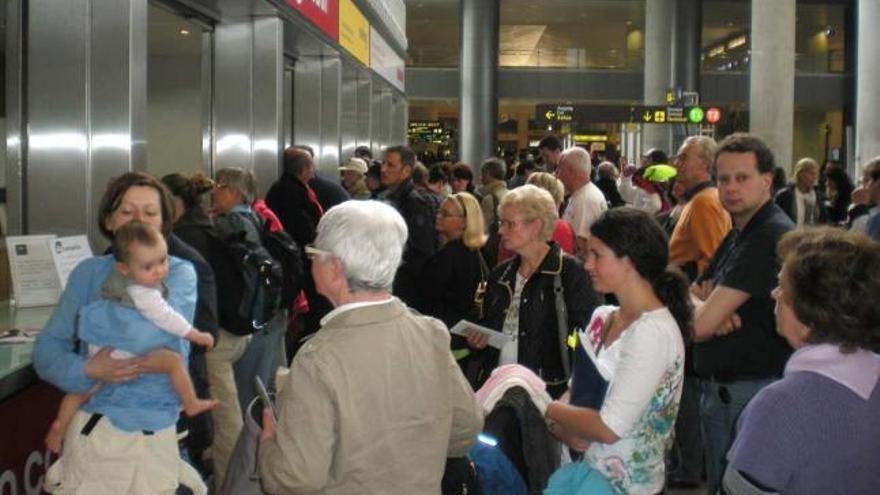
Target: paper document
(496, 339)
(34, 279)
(67, 252)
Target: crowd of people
(729, 315)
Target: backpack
(259, 295)
(283, 248)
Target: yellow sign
(670, 97)
(583, 138)
(659, 116)
(648, 116)
(354, 31)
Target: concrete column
(867, 84)
(658, 62)
(771, 78)
(478, 72)
(687, 26)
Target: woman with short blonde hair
(520, 296)
(563, 233)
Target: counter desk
(27, 406)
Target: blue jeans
(263, 356)
(720, 407)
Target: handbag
(242, 474)
(566, 342)
(478, 308)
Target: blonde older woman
(563, 233)
(801, 200)
(520, 298)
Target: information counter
(27, 406)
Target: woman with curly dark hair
(816, 431)
(838, 193)
(641, 344)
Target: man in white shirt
(586, 202)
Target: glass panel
(819, 37)
(177, 93)
(576, 34)
(433, 33)
(725, 37)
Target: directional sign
(675, 115)
(565, 113)
(550, 115)
(648, 116)
(659, 116)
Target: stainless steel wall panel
(385, 116)
(398, 120)
(15, 135)
(307, 102)
(207, 102)
(117, 94)
(267, 98)
(233, 125)
(57, 105)
(288, 106)
(349, 109)
(327, 159)
(380, 117)
(364, 107)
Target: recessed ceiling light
(184, 32)
(629, 22)
(730, 24)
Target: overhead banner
(354, 31)
(324, 14)
(385, 61)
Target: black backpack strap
(562, 323)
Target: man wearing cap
(352, 177)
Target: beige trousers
(109, 461)
(227, 414)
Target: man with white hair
(586, 202)
(375, 402)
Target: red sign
(713, 115)
(324, 14)
(24, 421)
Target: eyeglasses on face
(312, 253)
(512, 224)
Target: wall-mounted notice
(67, 252)
(34, 278)
(324, 14)
(385, 61)
(354, 31)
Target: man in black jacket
(297, 207)
(418, 212)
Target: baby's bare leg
(70, 404)
(171, 363)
